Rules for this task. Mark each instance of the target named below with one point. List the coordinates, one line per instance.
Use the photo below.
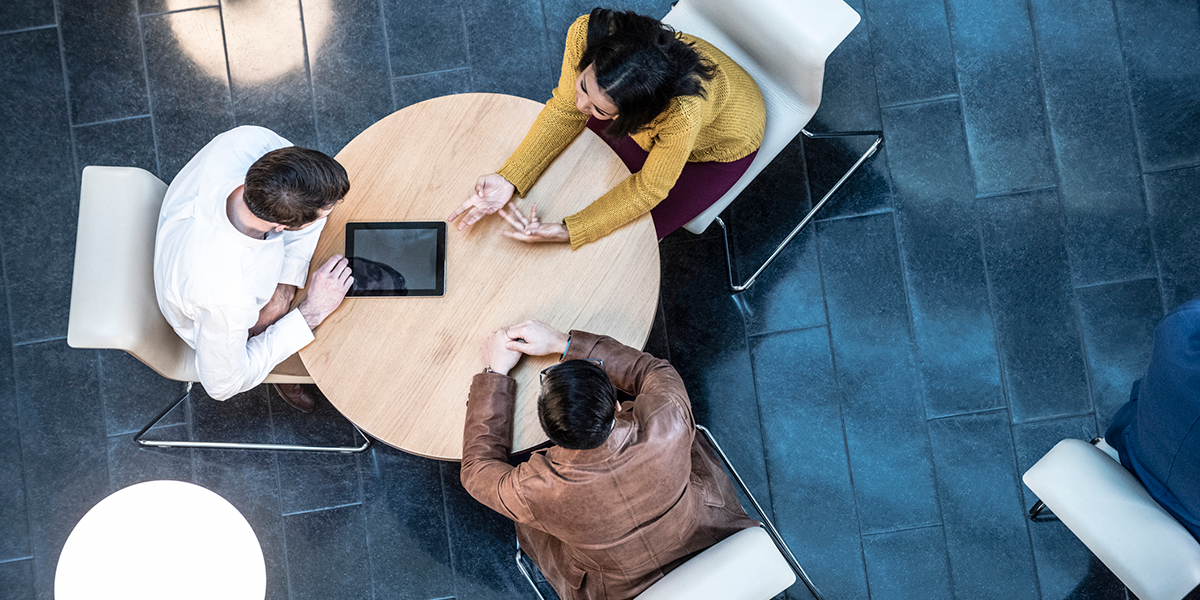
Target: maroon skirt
(699, 186)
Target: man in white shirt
(236, 232)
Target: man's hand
(491, 192)
(275, 308)
(531, 229)
(535, 338)
(496, 354)
(328, 287)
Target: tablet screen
(397, 259)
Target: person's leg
(699, 186)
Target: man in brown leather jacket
(626, 493)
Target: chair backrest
(1107, 508)
(743, 566)
(113, 304)
(783, 45)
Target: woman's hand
(491, 192)
(531, 229)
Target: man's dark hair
(577, 405)
(289, 186)
(641, 64)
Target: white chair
(783, 45)
(752, 564)
(1107, 508)
(113, 304)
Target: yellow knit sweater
(724, 126)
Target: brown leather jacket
(605, 523)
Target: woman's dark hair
(289, 186)
(577, 405)
(641, 64)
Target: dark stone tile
(148, 7)
(20, 14)
(325, 554)
(513, 59)
(482, 545)
(1036, 321)
(425, 36)
(133, 394)
(130, 463)
(788, 294)
(16, 580)
(351, 56)
(561, 14)
(126, 143)
(189, 84)
(418, 88)
(244, 418)
(1002, 101)
(882, 408)
(656, 342)
(249, 480)
(268, 69)
(405, 517)
(41, 194)
(978, 486)
(708, 347)
(1174, 217)
(1066, 568)
(910, 42)
(868, 190)
(1118, 322)
(65, 449)
(1087, 100)
(103, 50)
(14, 519)
(939, 235)
(849, 101)
(311, 481)
(324, 426)
(813, 499)
(909, 564)
(1162, 71)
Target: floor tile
(126, 143)
(425, 36)
(515, 59)
(868, 190)
(352, 56)
(103, 54)
(311, 481)
(938, 227)
(14, 519)
(1087, 100)
(1170, 200)
(189, 84)
(883, 410)
(16, 580)
(908, 564)
(482, 545)
(22, 14)
(560, 15)
(130, 463)
(656, 342)
(1162, 71)
(1118, 329)
(133, 394)
(407, 529)
(325, 551)
(913, 58)
(42, 195)
(419, 88)
(813, 498)
(244, 418)
(324, 426)
(149, 7)
(1033, 305)
(788, 294)
(268, 69)
(981, 507)
(848, 98)
(1002, 105)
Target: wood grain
(401, 368)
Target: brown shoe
(297, 395)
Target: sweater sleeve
(557, 125)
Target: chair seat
(1107, 508)
(743, 566)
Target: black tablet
(397, 259)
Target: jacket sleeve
(487, 440)
(652, 381)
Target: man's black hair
(289, 186)
(577, 405)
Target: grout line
(387, 54)
(462, 11)
(62, 57)
(107, 121)
(878, 211)
(1170, 169)
(18, 559)
(1117, 282)
(934, 100)
(32, 342)
(902, 529)
(425, 73)
(322, 509)
(362, 498)
(228, 68)
(982, 411)
(27, 29)
(1043, 188)
(149, 95)
(312, 88)
(791, 330)
(446, 519)
(183, 10)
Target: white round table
(163, 540)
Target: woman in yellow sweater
(685, 119)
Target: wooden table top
(401, 368)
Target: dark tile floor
(985, 287)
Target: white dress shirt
(212, 280)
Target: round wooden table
(401, 368)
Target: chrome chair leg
(767, 524)
(526, 573)
(238, 445)
(808, 217)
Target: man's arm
(228, 363)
